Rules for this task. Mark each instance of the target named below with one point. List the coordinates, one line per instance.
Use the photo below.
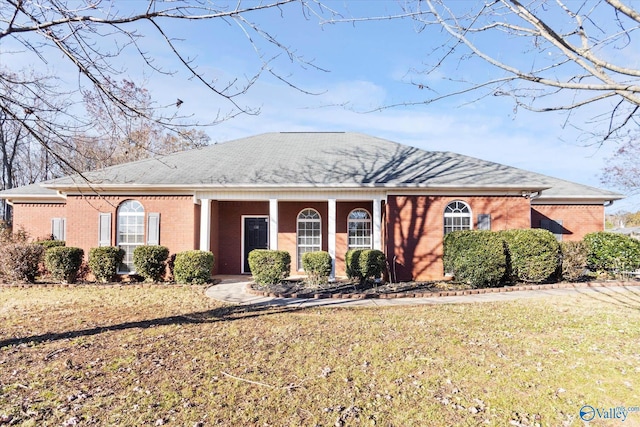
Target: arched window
(457, 216)
(309, 233)
(359, 229)
(130, 232)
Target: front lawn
(163, 355)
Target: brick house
(302, 192)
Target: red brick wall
(35, 218)
(577, 220)
(415, 229)
(177, 219)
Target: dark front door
(256, 235)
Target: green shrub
(150, 261)
(612, 252)
(352, 263)
(21, 261)
(534, 254)
(193, 267)
(64, 262)
(372, 263)
(268, 266)
(104, 262)
(48, 244)
(574, 259)
(476, 257)
(318, 267)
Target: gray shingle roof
(321, 160)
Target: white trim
(456, 215)
(376, 223)
(243, 217)
(205, 224)
(273, 224)
(331, 236)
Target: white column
(331, 243)
(205, 224)
(377, 224)
(273, 224)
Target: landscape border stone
(436, 294)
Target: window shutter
(545, 224)
(58, 228)
(557, 229)
(484, 222)
(153, 228)
(104, 229)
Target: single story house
(302, 192)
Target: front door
(256, 236)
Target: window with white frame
(359, 229)
(457, 216)
(130, 232)
(309, 233)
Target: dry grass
(134, 356)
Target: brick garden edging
(436, 294)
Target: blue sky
(368, 65)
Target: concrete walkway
(232, 289)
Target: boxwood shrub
(193, 267)
(352, 263)
(534, 254)
(612, 252)
(317, 265)
(21, 261)
(63, 262)
(150, 261)
(48, 244)
(268, 266)
(104, 262)
(372, 264)
(574, 260)
(476, 257)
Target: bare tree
(92, 35)
(623, 168)
(555, 55)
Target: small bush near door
(63, 262)
(362, 264)
(104, 262)
(269, 267)
(317, 265)
(193, 267)
(150, 261)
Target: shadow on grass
(221, 314)
(622, 296)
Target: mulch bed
(344, 290)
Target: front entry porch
(232, 228)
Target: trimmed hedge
(363, 264)
(318, 266)
(104, 262)
(612, 252)
(476, 257)
(150, 261)
(534, 254)
(268, 266)
(352, 263)
(64, 262)
(48, 244)
(574, 259)
(21, 261)
(193, 267)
